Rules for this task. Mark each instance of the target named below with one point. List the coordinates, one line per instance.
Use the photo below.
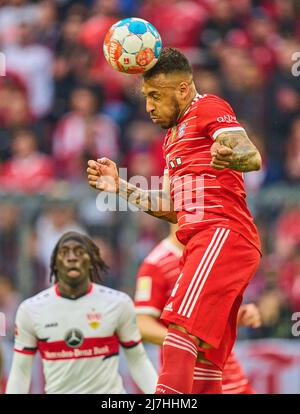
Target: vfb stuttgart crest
(94, 319)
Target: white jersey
(78, 339)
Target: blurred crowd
(61, 104)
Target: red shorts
(234, 380)
(216, 267)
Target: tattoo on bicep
(233, 138)
(244, 152)
(228, 139)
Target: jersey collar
(57, 292)
(196, 98)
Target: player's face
(162, 103)
(73, 262)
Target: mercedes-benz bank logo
(74, 338)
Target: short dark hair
(171, 60)
(98, 264)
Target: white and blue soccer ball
(132, 45)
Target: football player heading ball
(206, 151)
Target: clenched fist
(249, 315)
(103, 175)
(221, 156)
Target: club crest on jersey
(181, 130)
(94, 319)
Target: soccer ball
(132, 45)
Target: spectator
(83, 133)
(222, 20)
(208, 82)
(9, 239)
(9, 302)
(293, 152)
(289, 280)
(15, 114)
(47, 25)
(105, 14)
(245, 90)
(33, 63)
(170, 18)
(113, 278)
(144, 157)
(11, 15)
(59, 218)
(263, 40)
(28, 170)
(69, 40)
(287, 232)
(283, 105)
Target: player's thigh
(218, 266)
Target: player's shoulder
(38, 300)
(157, 254)
(109, 294)
(207, 100)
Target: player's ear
(184, 88)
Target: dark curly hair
(99, 267)
(170, 61)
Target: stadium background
(61, 104)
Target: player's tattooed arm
(103, 175)
(233, 149)
(157, 203)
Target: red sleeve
(150, 295)
(215, 116)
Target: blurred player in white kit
(77, 326)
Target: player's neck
(191, 97)
(73, 292)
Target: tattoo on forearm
(155, 203)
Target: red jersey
(156, 279)
(202, 195)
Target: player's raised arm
(103, 176)
(233, 149)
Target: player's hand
(249, 316)
(103, 175)
(221, 156)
